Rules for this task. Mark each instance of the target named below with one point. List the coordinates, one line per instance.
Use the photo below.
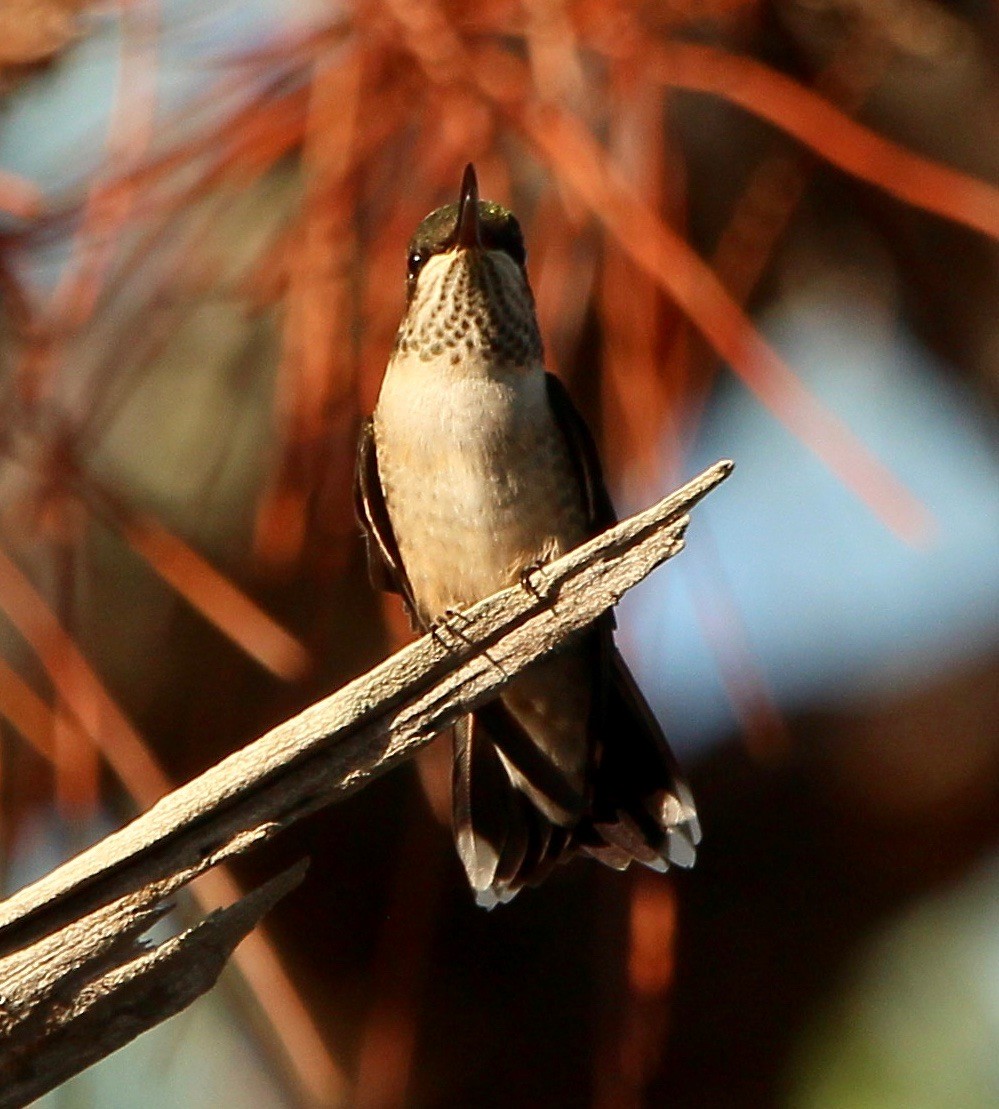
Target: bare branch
(90, 988)
(74, 963)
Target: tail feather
(617, 858)
(479, 813)
(555, 850)
(641, 803)
(520, 841)
(515, 818)
(637, 843)
(504, 840)
(530, 767)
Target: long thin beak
(466, 234)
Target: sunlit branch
(103, 724)
(104, 899)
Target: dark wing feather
(385, 566)
(658, 797)
(642, 808)
(583, 456)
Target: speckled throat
(471, 301)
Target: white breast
(476, 477)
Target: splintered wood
(76, 979)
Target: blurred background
(757, 230)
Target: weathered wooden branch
(75, 979)
(87, 989)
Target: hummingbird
(474, 468)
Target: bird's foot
(527, 579)
(448, 627)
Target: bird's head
(467, 287)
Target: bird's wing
(385, 566)
(582, 455)
(641, 808)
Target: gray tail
(515, 817)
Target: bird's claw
(527, 582)
(451, 621)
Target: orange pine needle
(215, 596)
(651, 957)
(318, 368)
(19, 197)
(575, 156)
(107, 727)
(775, 188)
(26, 711)
(832, 134)
(634, 313)
(563, 266)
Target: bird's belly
(459, 543)
(478, 487)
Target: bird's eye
(415, 264)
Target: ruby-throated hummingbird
(474, 468)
